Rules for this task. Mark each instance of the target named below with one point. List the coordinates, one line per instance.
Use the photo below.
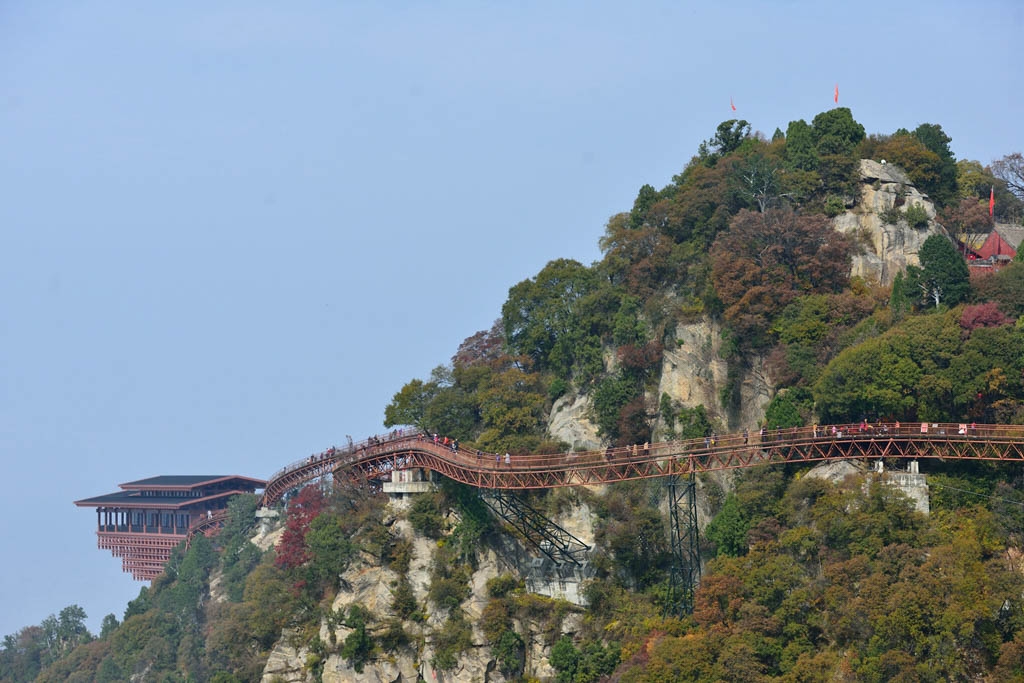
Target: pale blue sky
(230, 231)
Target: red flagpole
(991, 200)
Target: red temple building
(146, 520)
(993, 249)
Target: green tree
(728, 530)
(728, 137)
(71, 629)
(425, 516)
(358, 644)
(509, 651)
(639, 545)
(451, 640)
(644, 199)
(564, 659)
(453, 411)
(22, 655)
(178, 594)
(800, 146)
(610, 396)
(108, 625)
(229, 646)
(272, 603)
(899, 302)
(109, 672)
(329, 547)
(409, 404)
(836, 132)
(785, 409)
(883, 375)
(935, 139)
(512, 406)
(541, 314)
(694, 423)
(973, 180)
(238, 555)
(943, 276)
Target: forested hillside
(807, 578)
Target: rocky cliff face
(368, 584)
(694, 373)
(570, 422)
(886, 248)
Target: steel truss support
(685, 574)
(553, 541)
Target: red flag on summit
(991, 200)
(731, 104)
(835, 97)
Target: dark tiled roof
(158, 490)
(188, 481)
(135, 499)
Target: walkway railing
(374, 459)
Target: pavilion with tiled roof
(144, 521)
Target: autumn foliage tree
(923, 166)
(967, 216)
(482, 347)
(987, 314)
(1005, 287)
(302, 510)
(766, 260)
(639, 258)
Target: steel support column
(685, 573)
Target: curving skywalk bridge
(374, 460)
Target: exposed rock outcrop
(286, 663)
(570, 422)
(370, 585)
(694, 373)
(886, 248)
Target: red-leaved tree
(983, 315)
(302, 509)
